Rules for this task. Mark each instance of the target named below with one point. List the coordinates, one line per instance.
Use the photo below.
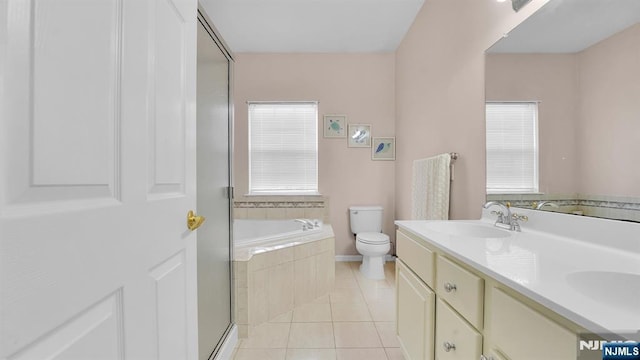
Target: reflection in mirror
(579, 60)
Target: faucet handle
(519, 217)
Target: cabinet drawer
(455, 338)
(519, 332)
(417, 257)
(461, 289)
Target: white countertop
(544, 266)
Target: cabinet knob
(449, 287)
(449, 346)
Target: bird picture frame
(359, 135)
(383, 148)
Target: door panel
(95, 257)
(171, 301)
(46, 54)
(100, 324)
(214, 263)
(167, 133)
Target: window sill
(311, 194)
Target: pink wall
(440, 93)
(609, 109)
(552, 80)
(358, 85)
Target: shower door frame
(205, 21)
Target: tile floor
(356, 321)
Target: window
(283, 148)
(512, 147)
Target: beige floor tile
(394, 354)
(379, 295)
(356, 335)
(311, 336)
(391, 282)
(390, 266)
(387, 332)
(361, 354)
(343, 266)
(260, 354)
(312, 312)
(269, 335)
(382, 311)
(311, 354)
(284, 318)
(346, 282)
(322, 299)
(349, 295)
(350, 312)
(371, 284)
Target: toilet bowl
(371, 243)
(373, 247)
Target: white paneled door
(97, 174)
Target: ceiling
(276, 26)
(569, 26)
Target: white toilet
(366, 223)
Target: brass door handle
(194, 221)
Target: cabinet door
(415, 314)
(455, 338)
(523, 334)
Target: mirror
(580, 61)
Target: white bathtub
(277, 266)
(256, 236)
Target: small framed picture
(359, 135)
(335, 126)
(383, 148)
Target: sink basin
(467, 229)
(616, 289)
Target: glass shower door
(213, 182)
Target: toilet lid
(373, 238)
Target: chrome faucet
(307, 224)
(546, 203)
(506, 219)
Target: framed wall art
(335, 126)
(359, 135)
(383, 148)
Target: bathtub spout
(306, 224)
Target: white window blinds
(283, 148)
(512, 147)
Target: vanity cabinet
(447, 310)
(439, 304)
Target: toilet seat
(373, 238)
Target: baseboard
(340, 258)
(229, 345)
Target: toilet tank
(365, 219)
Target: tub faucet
(306, 223)
(546, 203)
